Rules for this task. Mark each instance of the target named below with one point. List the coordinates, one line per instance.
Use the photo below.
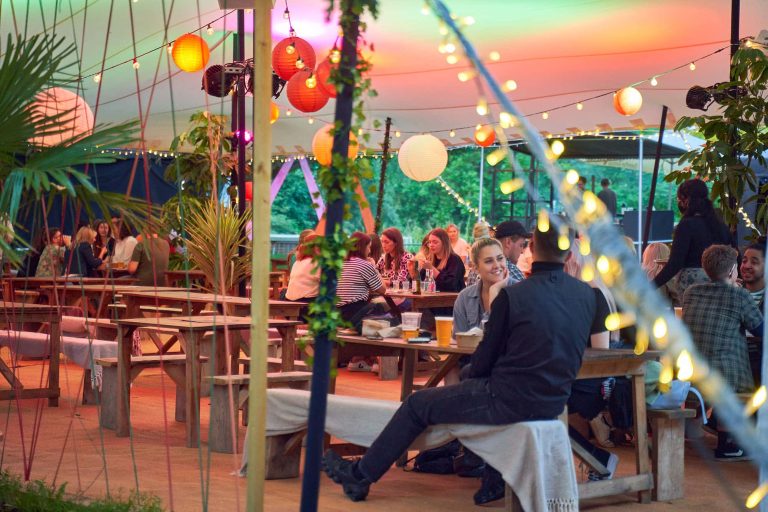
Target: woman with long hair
(473, 305)
(104, 237)
(699, 228)
(655, 256)
(124, 243)
(304, 282)
(446, 266)
(293, 254)
(376, 249)
(393, 263)
(358, 281)
(80, 259)
(52, 259)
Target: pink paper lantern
(77, 116)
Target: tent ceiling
(621, 146)
(558, 51)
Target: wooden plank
(641, 433)
(620, 485)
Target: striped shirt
(358, 278)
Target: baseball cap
(511, 228)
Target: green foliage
(736, 138)
(30, 173)
(38, 496)
(216, 234)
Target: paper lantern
(323, 73)
(627, 101)
(304, 93)
(249, 191)
(77, 118)
(190, 53)
(274, 113)
(485, 136)
(322, 145)
(287, 52)
(422, 157)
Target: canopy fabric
(559, 52)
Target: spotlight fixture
(701, 98)
(219, 80)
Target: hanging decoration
(322, 144)
(422, 157)
(485, 135)
(304, 93)
(291, 55)
(249, 190)
(274, 113)
(190, 53)
(76, 115)
(627, 101)
(323, 73)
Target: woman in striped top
(359, 280)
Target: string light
(300, 63)
(494, 56)
(482, 107)
(756, 401)
(288, 113)
(757, 496)
(458, 198)
(654, 82)
(136, 64)
(545, 115)
(506, 120)
(542, 222)
(97, 77)
(452, 133)
(579, 106)
(660, 328)
(572, 177)
(557, 147)
(425, 9)
(465, 76)
(617, 321)
(692, 66)
(311, 120)
(209, 30)
(451, 59)
(286, 14)
(291, 48)
(509, 86)
(684, 366)
(511, 186)
(584, 248)
(397, 133)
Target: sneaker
(375, 368)
(611, 465)
(731, 453)
(342, 472)
(358, 366)
(601, 431)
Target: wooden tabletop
(200, 322)
(22, 308)
(399, 343)
(36, 282)
(108, 287)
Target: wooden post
(260, 263)
(383, 175)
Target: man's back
(152, 255)
(608, 197)
(535, 340)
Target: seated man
(717, 313)
(522, 371)
(149, 261)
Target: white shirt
(461, 248)
(124, 249)
(304, 282)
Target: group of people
(537, 324)
(94, 246)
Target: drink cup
(410, 326)
(444, 326)
(410, 333)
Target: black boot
(492, 487)
(345, 472)
(469, 465)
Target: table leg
(53, 371)
(641, 432)
(191, 389)
(409, 370)
(449, 364)
(125, 341)
(288, 350)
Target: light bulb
(757, 400)
(659, 328)
(757, 496)
(299, 63)
(654, 82)
(441, 48)
(509, 86)
(359, 132)
(335, 56)
(209, 30)
(579, 106)
(563, 242)
(511, 186)
(397, 133)
(288, 113)
(616, 321)
(603, 265)
(292, 32)
(443, 29)
(97, 77)
(482, 107)
(572, 177)
(451, 59)
(311, 82)
(465, 76)
(450, 48)
(545, 115)
(543, 221)
(136, 64)
(286, 14)
(290, 49)
(584, 248)
(587, 273)
(684, 365)
(469, 20)
(494, 56)
(170, 48)
(506, 120)
(311, 120)
(667, 374)
(590, 202)
(497, 156)
(452, 133)
(557, 147)
(692, 66)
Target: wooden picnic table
(33, 284)
(14, 312)
(98, 295)
(596, 363)
(184, 277)
(191, 330)
(421, 301)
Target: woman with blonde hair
(655, 257)
(80, 259)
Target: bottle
(417, 279)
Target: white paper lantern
(77, 121)
(422, 157)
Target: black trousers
(469, 402)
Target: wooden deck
(71, 448)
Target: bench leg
(283, 456)
(388, 368)
(178, 375)
(90, 395)
(668, 458)
(108, 412)
(221, 420)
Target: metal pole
(639, 195)
(241, 143)
(480, 194)
(318, 401)
(652, 195)
(262, 175)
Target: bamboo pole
(262, 174)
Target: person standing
(458, 244)
(514, 240)
(607, 196)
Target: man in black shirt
(522, 371)
(607, 196)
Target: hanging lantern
(76, 115)
(290, 55)
(485, 136)
(190, 53)
(422, 157)
(322, 144)
(249, 191)
(274, 113)
(323, 73)
(304, 97)
(627, 101)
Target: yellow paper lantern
(274, 113)
(627, 101)
(76, 115)
(422, 157)
(322, 145)
(190, 53)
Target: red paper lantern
(627, 101)
(274, 113)
(190, 53)
(249, 191)
(485, 136)
(285, 56)
(304, 97)
(323, 73)
(322, 145)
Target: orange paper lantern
(287, 52)
(485, 136)
(304, 97)
(323, 73)
(322, 145)
(274, 113)
(627, 101)
(190, 53)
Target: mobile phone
(420, 339)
